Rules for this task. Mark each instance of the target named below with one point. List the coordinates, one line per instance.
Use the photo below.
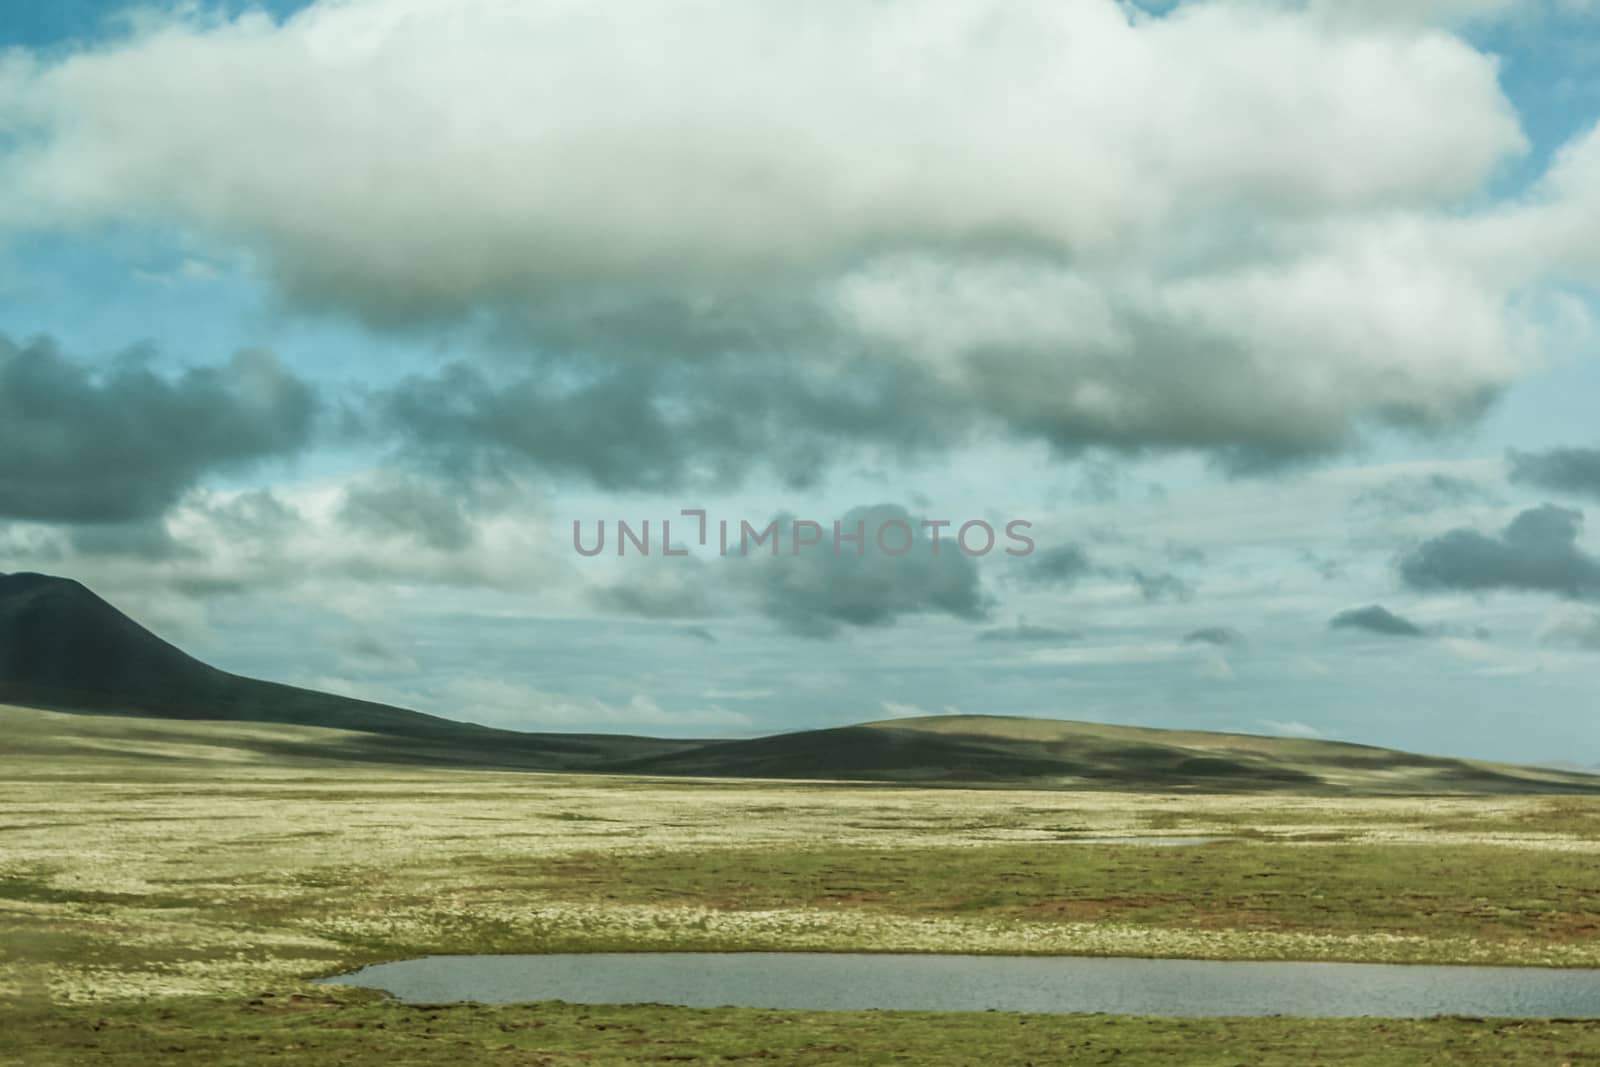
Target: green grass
(1457, 891)
(353, 1028)
(146, 904)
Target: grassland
(154, 890)
(325, 1027)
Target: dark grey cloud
(1566, 470)
(818, 593)
(1537, 552)
(1221, 636)
(699, 633)
(420, 510)
(635, 424)
(1378, 620)
(643, 387)
(121, 443)
(1025, 632)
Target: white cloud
(441, 150)
(1209, 230)
(1425, 12)
(293, 541)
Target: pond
(1153, 842)
(815, 981)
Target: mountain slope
(64, 648)
(1051, 753)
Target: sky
(330, 331)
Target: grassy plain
(163, 899)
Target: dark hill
(1053, 753)
(64, 648)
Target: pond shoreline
(813, 981)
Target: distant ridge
(1004, 750)
(62, 648)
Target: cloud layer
(724, 225)
(690, 137)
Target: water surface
(1158, 842)
(816, 981)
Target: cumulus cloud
(820, 592)
(656, 426)
(816, 590)
(1537, 552)
(1406, 12)
(713, 138)
(725, 230)
(181, 542)
(1347, 328)
(294, 542)
(1566, 470)
(122, 443)
(1376, 619)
